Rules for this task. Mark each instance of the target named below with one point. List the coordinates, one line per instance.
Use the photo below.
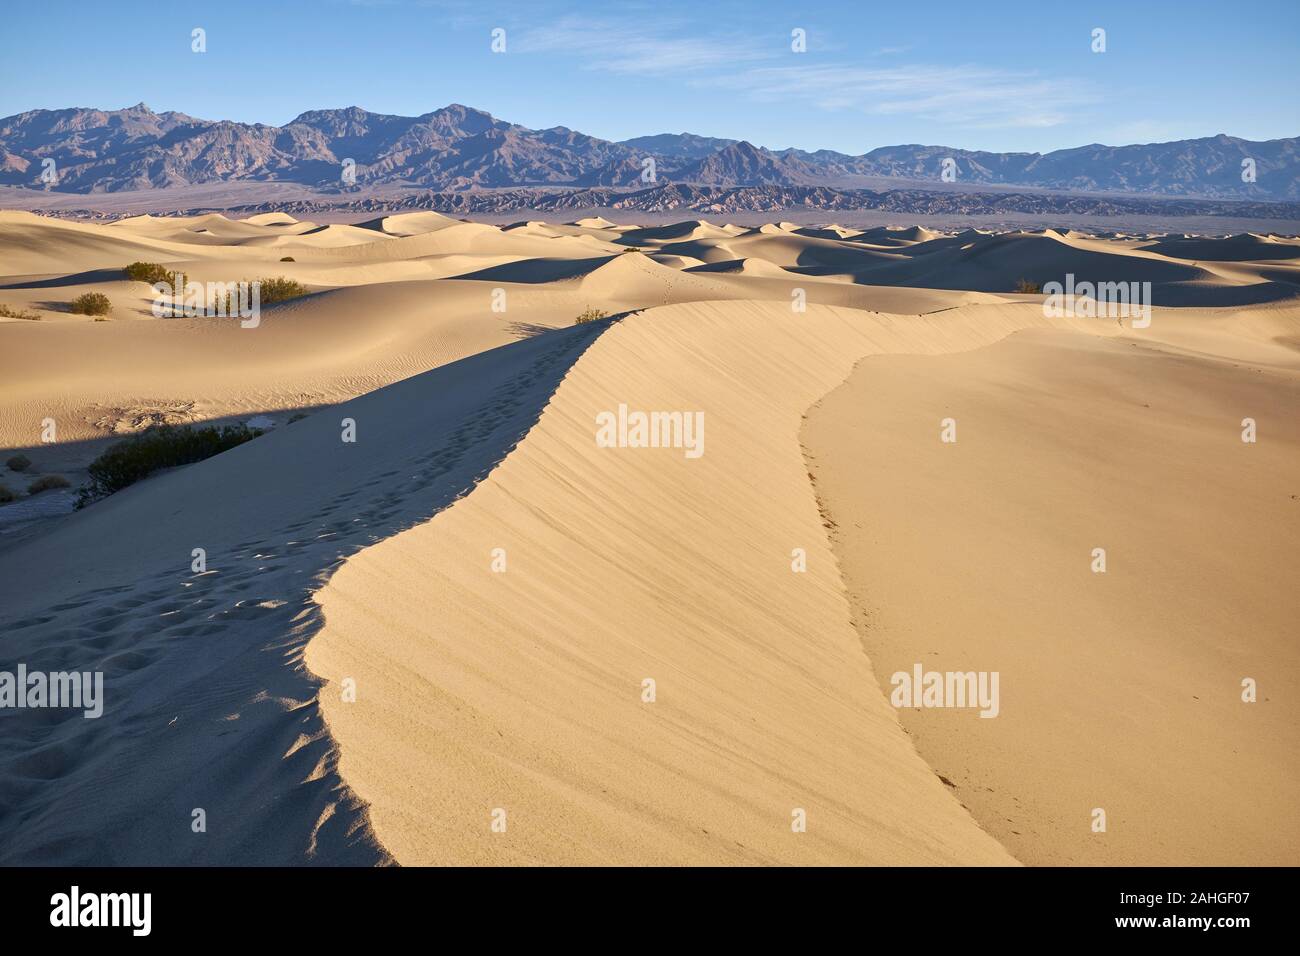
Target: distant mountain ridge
(460, 148)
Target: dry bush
(150, 272)
(91, 303)
(47, 483)
(166, 446)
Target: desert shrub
(287, 259)
(46, 483)
(11, 313)
(165, 446)
(590, 315)
(279, 288)
(6, 495)
(150, 272)
(1024, 285)
(91, 303)
(19, 463)
(269, 292)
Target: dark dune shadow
(1287, 276)
(75, 278)
(207, 702)
(1224, 250)
(526, 330)
(1206, 296)
(54, 305)
(537, 270)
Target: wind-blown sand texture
(521, 691)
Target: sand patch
(1119, 690)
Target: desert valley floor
(400, 642)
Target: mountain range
(459, 148)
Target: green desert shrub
(11, 313)
(270, 291)
(19, 463)
(1024, 285)
(278, 289)
(6, 495)
(91, 303)
(150, 272)
(590, 315)
(46, 483)
(165, 446)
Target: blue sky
(994, 75)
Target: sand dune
(374, 323)
(409, 224)
(1241, 248)
(1120, 691)
(746, 267)
(675, 232)
(537, 710)
(207, 704)
(272, 219)
(450, 344)
(832, 231)
(271, 229)
(595, 222)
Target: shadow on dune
(527, 330)
(207, 703)
(75, 278)
(1235, 249)
(535, 271)
(69, 459)
(1209, 296)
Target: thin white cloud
(651, 49)
(963, 96)
(766, 70)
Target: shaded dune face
(207, 703)
(452, 347)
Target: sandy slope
(385, 308)
(479, 690)
(1119, 690)
(207, 703)
(623, 564)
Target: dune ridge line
(484, 695)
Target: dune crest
(522, 690)
(517, 690)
